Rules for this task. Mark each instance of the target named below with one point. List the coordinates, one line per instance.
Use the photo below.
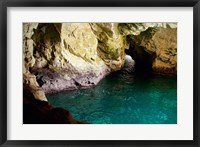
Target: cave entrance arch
(143, 59)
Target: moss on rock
(111, 44)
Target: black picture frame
(4, 4)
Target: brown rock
(161, 43)
(41, 112)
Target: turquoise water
(123, 97)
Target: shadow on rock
(41, 112)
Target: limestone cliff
(67, 56)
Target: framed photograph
(86, 73)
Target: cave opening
(129, 65)
(102, 96)
(143, 59)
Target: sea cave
(99, 73)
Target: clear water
(123, 98)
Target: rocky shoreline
(51, 82)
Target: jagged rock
(161, 45)
(29, 80)
(137, 28)
(111, 44)
(28, 31)
(66, 57)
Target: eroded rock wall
(161, 44)
(111, 44)
(29, 79)
(67, 56)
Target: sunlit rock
(161, 45)
(66, 57)
(111, 44)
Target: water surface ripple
(123, 98)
